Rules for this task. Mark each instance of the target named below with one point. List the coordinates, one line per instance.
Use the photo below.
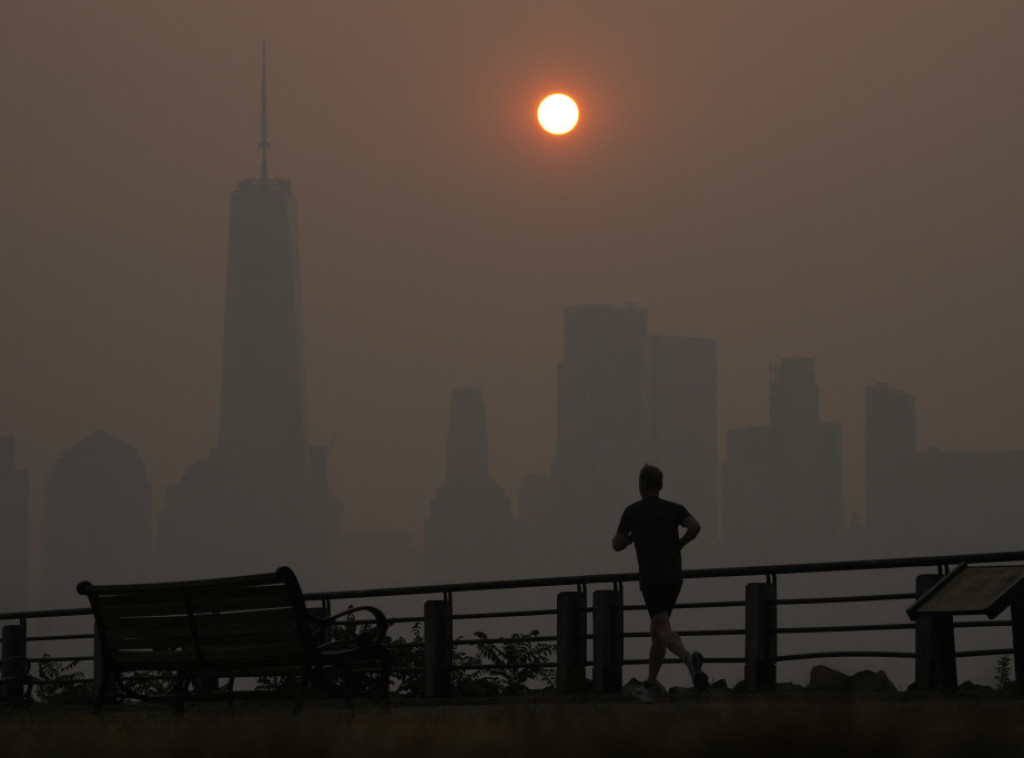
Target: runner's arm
(692, 527)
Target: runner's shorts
(661, 598)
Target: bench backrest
(229, 625)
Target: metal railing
(753, 618)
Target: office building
(469, 535)
(97, 519)
(14, 505)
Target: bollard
(761, 637)
(935, 648)
(608, 648)
(15, 665)
(437, 648)
(572, 642)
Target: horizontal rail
(587, 634)
(940, 562)
(842, 628)
(845, 599)
(845, 654)
(504, 614)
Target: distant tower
(601, 440)
(812, 459)
(782, 498)
(683, 379)
(13, 524)
(469, 534)
(890, 450)
(262, 407)
(98, 517)
(254, 497)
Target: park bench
(165, 641)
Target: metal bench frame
(193, 633)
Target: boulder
(869, 681)
(825, 678)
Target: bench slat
(210, 599)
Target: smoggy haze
(838, 180)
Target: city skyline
(839, 183)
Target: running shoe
(695, 664)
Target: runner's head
(650, 479)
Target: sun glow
(558, 114)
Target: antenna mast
(264, 144)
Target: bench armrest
(351, 627)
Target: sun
(558, 113)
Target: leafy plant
(519, 659)
(1003, 680)
(60, 683)
(512, 663)
(408, 676)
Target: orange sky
(790, 178)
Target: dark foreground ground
(895, 724)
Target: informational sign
(972, 590)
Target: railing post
(15, 666)
(935, 647)
(608, 646)
(437, 648)
(761, 637)
(1017, 625)
(572, 641)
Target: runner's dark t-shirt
(654, 525)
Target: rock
(970, 686)
(869, 681)
(825, 678)
(633, 685)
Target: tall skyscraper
(683, 381)
(469, 534)
(890, 449)
(601, 427)
(14, 525)
(97, 520)
(624, 399)
(255, 494)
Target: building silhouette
(469, 535)
(253, 504)
(14, 505)
(683, 381)
(934, 501)
(600, 442)
(97, 522)
(782, 488)
(890, 449)
(624, 398)
(966, 501)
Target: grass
(726, 726)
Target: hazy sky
(834, 179)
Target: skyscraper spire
(264, 144)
